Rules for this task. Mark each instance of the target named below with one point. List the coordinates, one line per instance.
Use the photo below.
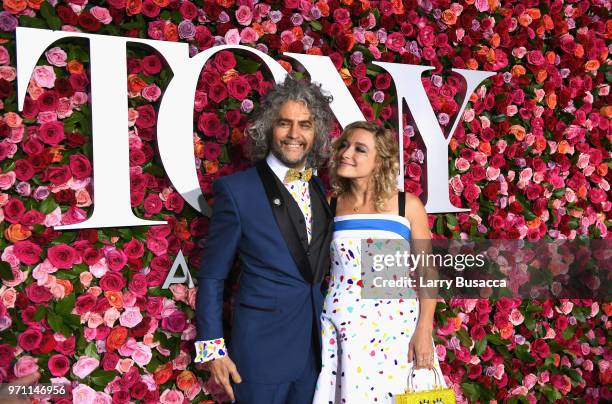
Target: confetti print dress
(365, 341)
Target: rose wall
(531, 159)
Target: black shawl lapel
(288, 231)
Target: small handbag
(438, 395)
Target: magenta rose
(67, 346)
(175, 322)
(38, 293)
(58, 175)
(138, 285)
(27, 252)
(80, 166)
(23, 170)
(217, 91)
(161, 263)
(62, 256)
(212, 151)
(175, 202)
(157, 245)
(109, 361)
(13, 210)
(151, 64)
(133, 249)
(224, 61)
(146, 116)
(152, 205)
(30, 339)
(540, 348)
(58, 365)
(6, 354)
(112, 281)
(116, 259)
(51, 132)
(238, 88)
(85, 303)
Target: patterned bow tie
(294, 175)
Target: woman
(370, 345)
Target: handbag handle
(436, 376)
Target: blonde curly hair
(387, 163)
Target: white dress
(365, 341)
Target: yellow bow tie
(294, 175)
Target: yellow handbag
(439, 394)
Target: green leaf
(92, 351)
(533, 308)
(40, 313)
(31, 22)
(568, 333)
(57, 324)
(521, 352)
(5, 271)
(125, 233)
(464, 338)
(102, 377)
(54, 22)
(46, 10)
(496, 339)
(48, 205)
(66, 237)
(480, 346)
(498, 118)
(451, 219)
(316, 25)
(245, 65)
(65, 306)
(551, 394)
(471, 390)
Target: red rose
(112, 281)
(175, 202)
(146, 116)
(175, 322)
(239, 88)
(58, 365)
(27, 252)
(121, 397)
(48, 101)
(133, 249)
(91, 256)
(110, 360)
(414, 170)
(475, 371)
(63, 87)
(136, 198)
(80, 166)
(62, 256)
(395, 41)
(477, 333)
(160, 263)
(561, 323)
(426, 36)
(151, 64)
(38, 293)
(116, 259)
(24, 171)
(540, 348)
(30, 339)
(85, 303)
(150, 9)
(66, 14)
(217, 91)
(78, 81)
(48, 343)
(189, 11)
(13, 210)
(152, 205)
(491, 190)
(533, 191)
(58, 175)
(471, 192)
(6, 354)
(138, 284)
(597, 195)
(66, 347)
(89, 22)
(138, 390)
(364, 84)
(224, 61)
(30, 107)
(51, 132)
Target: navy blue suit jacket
(277, 308)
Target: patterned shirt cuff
(209, 350)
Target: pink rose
(142, 354)
(157, 246)
(38, 294)
(151, 92)
(138, 285)
(130, 317)
(26, 365)
(7, 180)
(27, 252)
(248, 35)
(171, 397)
(84, 366)
(83, 394)
(115, 259)
(232, 37)
(175, 322)
(44, 76)
(56, 56)
(101, 14)
(244, 15)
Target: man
(276, 216)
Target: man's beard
(291, 163)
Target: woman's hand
(420, 348)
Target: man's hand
(28, 380)
(221, 369)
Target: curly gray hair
(311, 94)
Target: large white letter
(109, 115)
(409, 87)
